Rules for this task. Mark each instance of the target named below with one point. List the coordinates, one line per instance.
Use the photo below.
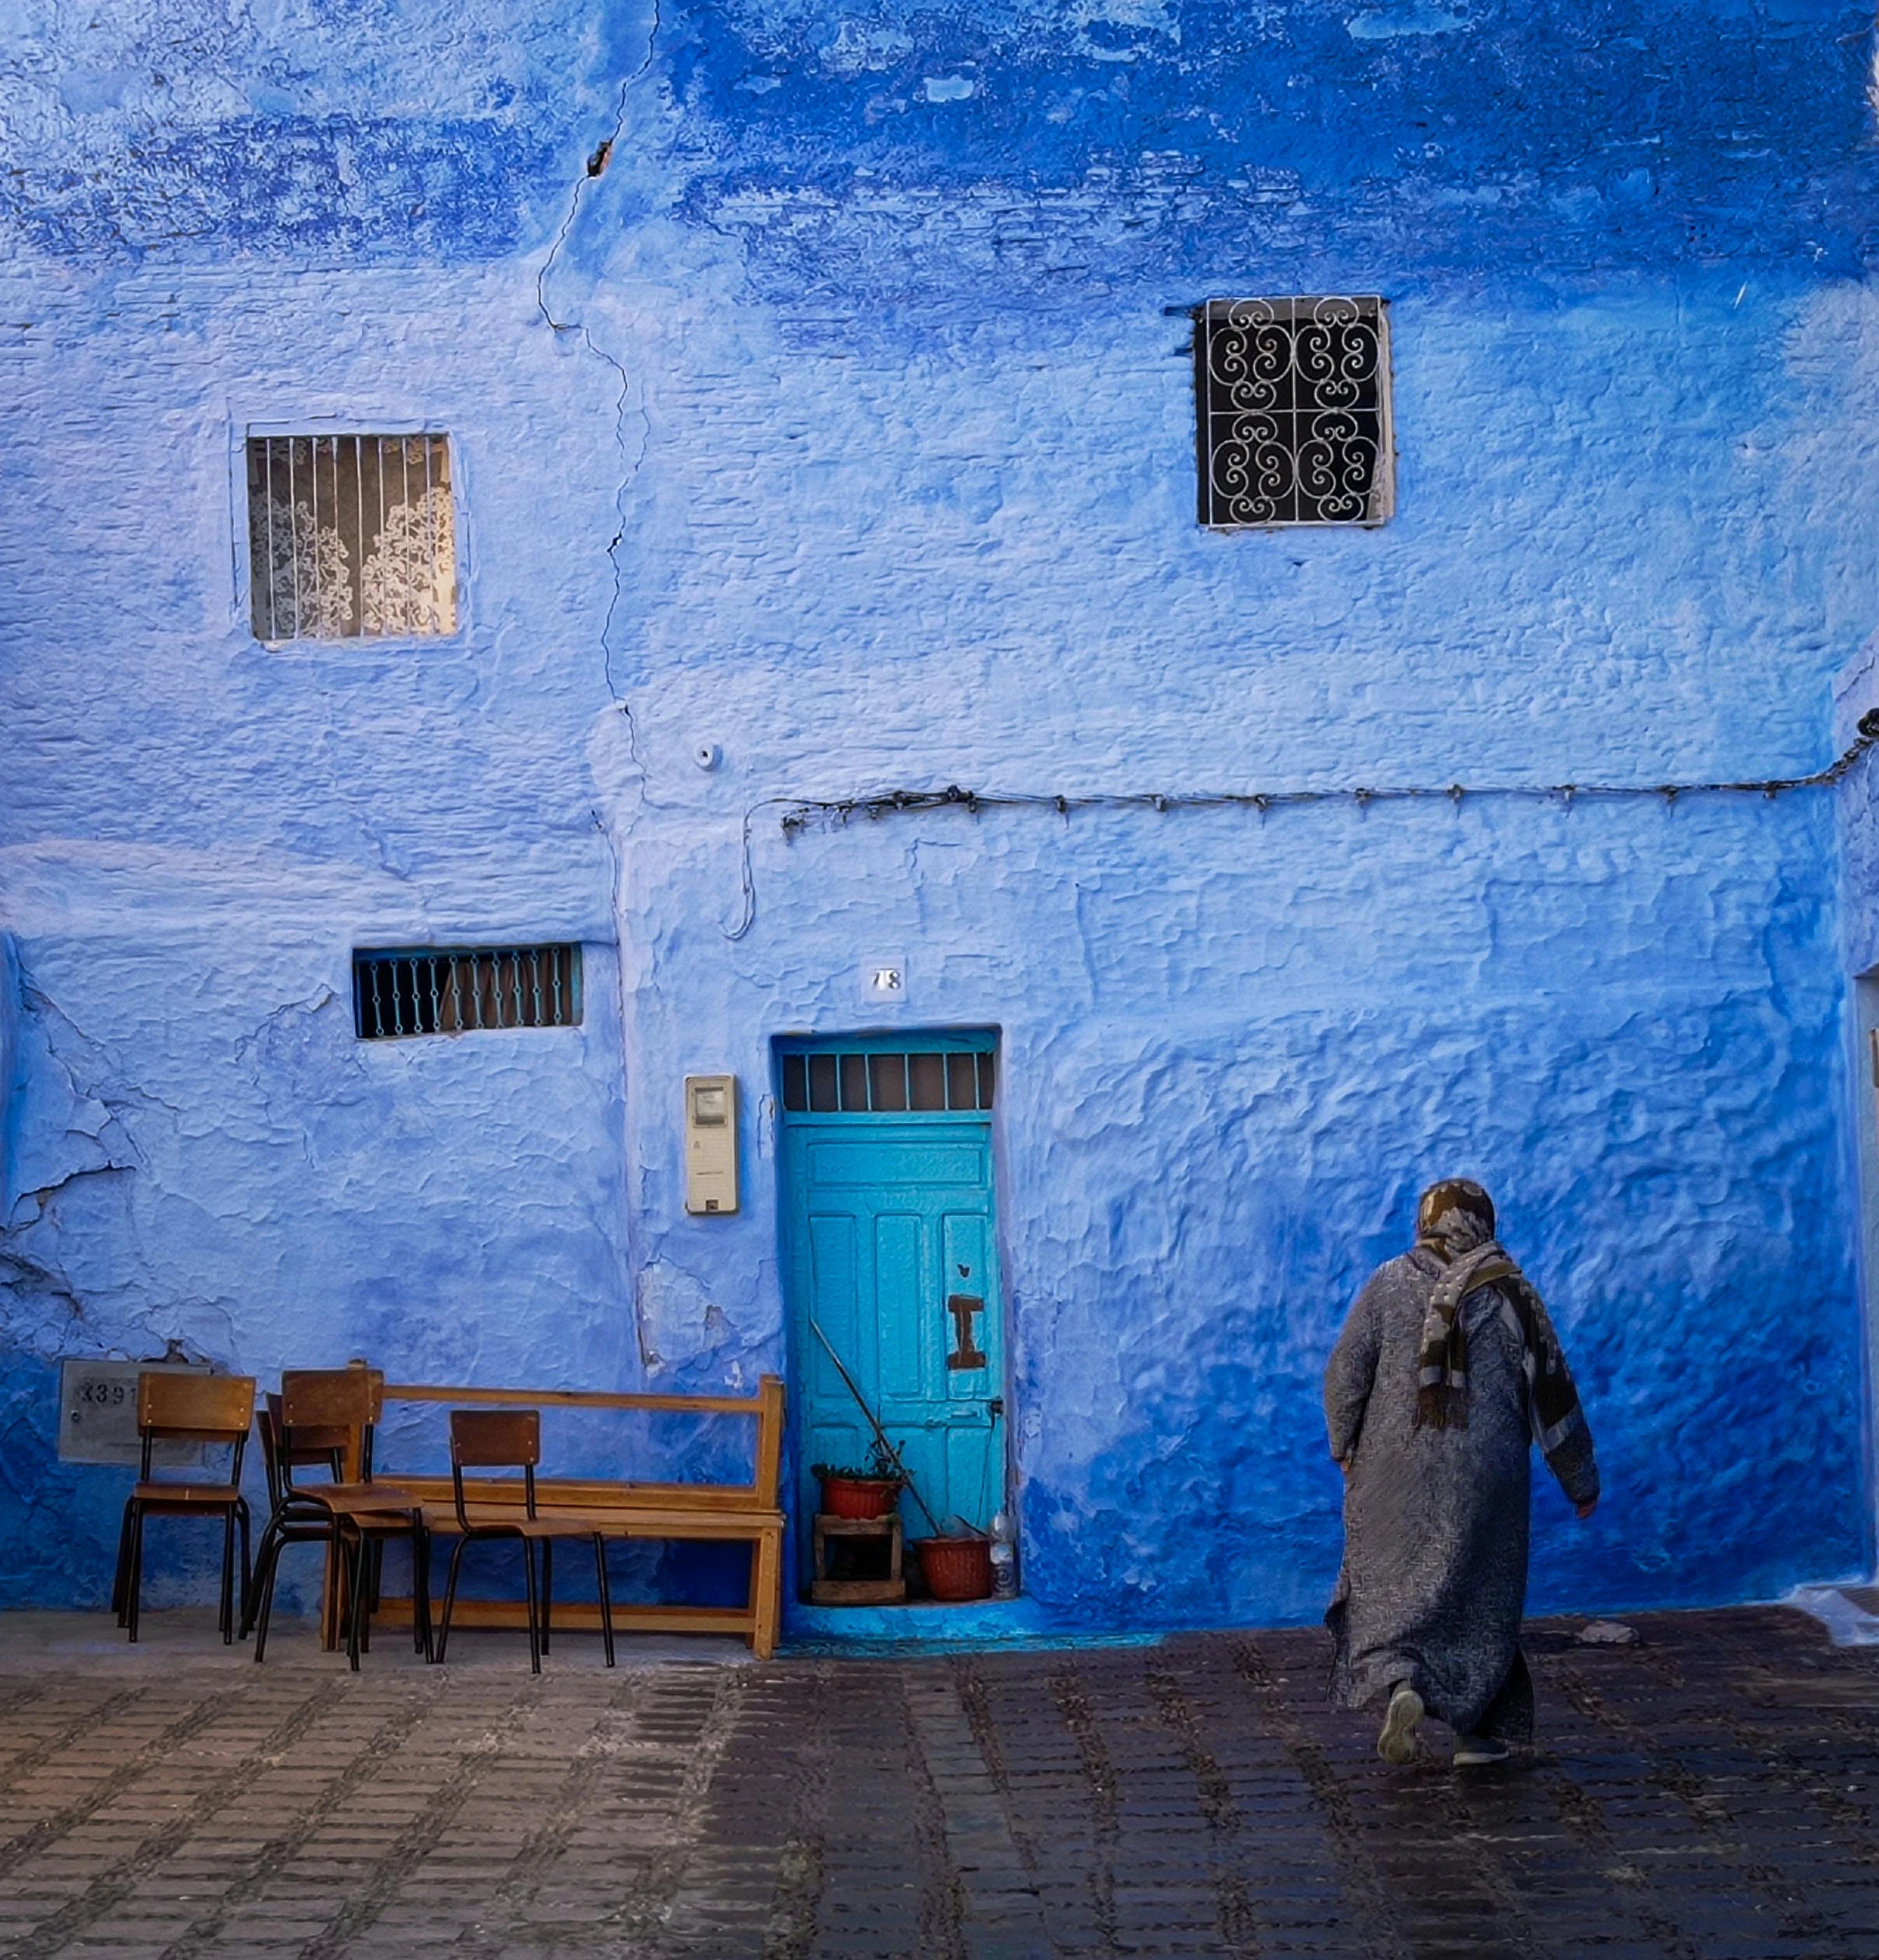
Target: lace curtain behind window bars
(351, 537)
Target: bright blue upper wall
(883, 151)
(864, 449)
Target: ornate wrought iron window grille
(1293, 406)
(351, 537)
(452, 990)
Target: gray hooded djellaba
(1447, 1370)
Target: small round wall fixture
(707, 755)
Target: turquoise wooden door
(890, 1253)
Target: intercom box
(710, 1144)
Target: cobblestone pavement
(1709, 1793)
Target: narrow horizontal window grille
(451, 990)
(1292, 397)
(351, 537)
(884, 1085)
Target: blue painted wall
(844, 420)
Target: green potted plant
(869, 1493)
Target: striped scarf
(1442, 1368)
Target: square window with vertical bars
(456, 989)
(351, 537)
(1292, 398)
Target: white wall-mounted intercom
(710, 1143)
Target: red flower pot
(956, 1568)
(859, 1497)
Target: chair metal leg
(358, 1566)
(356, 1619)
(420, 1586)
(120, 1579)
(225, 1614)
(450, 1599)
(268, 1566)
(548, 1588)
(606, 1598)
(134, 1579)
(264, 1557)
(534, 1629)
(247, 1568)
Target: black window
(1293, 404)
(453, 989)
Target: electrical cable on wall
(799, 813)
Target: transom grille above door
(887, 1082)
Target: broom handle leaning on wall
(880, 1434)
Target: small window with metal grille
(1292, 398)
(886, 1085)
(351, 537)
(453, 989)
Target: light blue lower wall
(1233, 1048)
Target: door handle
(962, 1306)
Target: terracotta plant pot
(956, 1568)
(859, 1497)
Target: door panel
(897, 1277)
(834, 1292)
(868, 1165)
(962, 1264)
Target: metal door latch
(962, 1306)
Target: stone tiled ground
(1711, 1793)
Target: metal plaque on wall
(98, 1412)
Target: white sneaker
(1397, 1743)
(1471, 1751)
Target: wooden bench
(721, 1513)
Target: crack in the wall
(629, 1284)
(631, 463)
(42, 1195)
(20, 1273)
(322, 997)
(399, 873)
(594, 168)
(60, 1150)
(107, 1131)
(271, 1058)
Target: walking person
(1446, 1371)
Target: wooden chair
(511, 1439)
(294, 1518)
(176, 1408)
(329, 1413)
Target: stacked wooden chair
(327, 1415)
